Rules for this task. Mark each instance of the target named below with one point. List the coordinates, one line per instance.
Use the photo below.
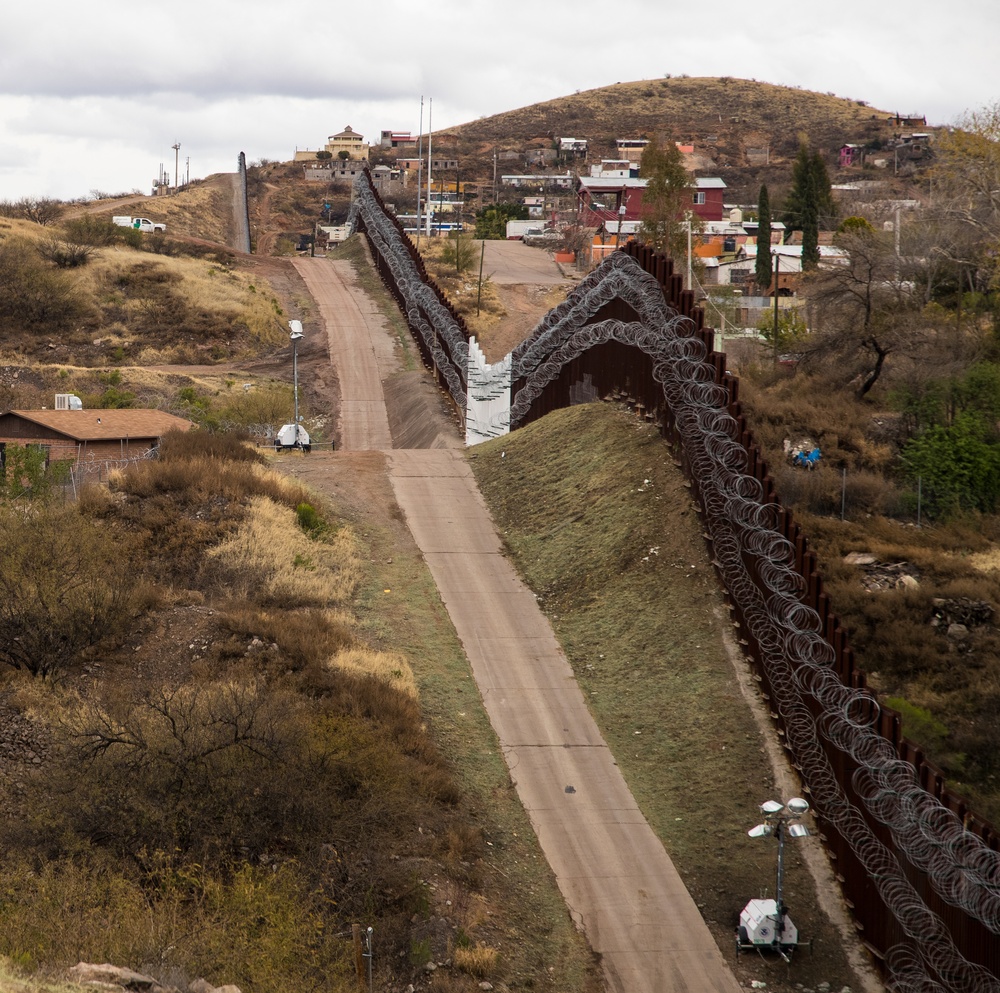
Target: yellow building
(348, 141)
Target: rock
(909, 582)
(430, 967)
(200, 985)
(485, 985)
(958, 631)
(88, 972)
(860, 558)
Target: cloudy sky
(94, 95)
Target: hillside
(723, 117)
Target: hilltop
(724, 118)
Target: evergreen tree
(810, 224)
(763, 271)
(809, 205)
(666, 198)
(491, 221)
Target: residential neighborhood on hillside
(564, 184)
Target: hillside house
(88, 435)
(601, 198)
(540, 181)
(850, 155)
(444, 162)
(348, 141)
(573, 147)
(387, 181)
(394, 139)
(907, 122)
(707, 198)
(332, 170)
(631, 148)
(620, 168)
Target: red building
(601, 199)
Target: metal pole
(420, 165)
(369, 954)
(430, 143)
(482, 256)
(295, 384)
(777, 257)
(843, 494)
(779, 883)
(690, 284)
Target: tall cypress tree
(809, 203)
(810, 224)
(762, 274)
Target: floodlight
(797, 805)
(798, 831)
(297, 331)
(760, 831)
(770, 807)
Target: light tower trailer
(292, 436)
(764, 924)
(762, 929)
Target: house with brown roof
(88, 435)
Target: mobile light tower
(294, 435)
(764, 924)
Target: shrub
(65, 584)
(34, 296)
(65, 256)
(91, 230)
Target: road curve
(617, 880)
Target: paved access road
(508, 262)
(618, 882)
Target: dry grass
(176, 305)
(480, 961)
(269, 554)
(391, 668)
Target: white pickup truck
(139, 223)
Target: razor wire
(442, 336)
(756, 565)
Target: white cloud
(92, 96)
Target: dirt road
(619, 883)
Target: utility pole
(420, 166)
(430, 141)
(777, 258)
(176, 146)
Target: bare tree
(40, 210)
(864, 308)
